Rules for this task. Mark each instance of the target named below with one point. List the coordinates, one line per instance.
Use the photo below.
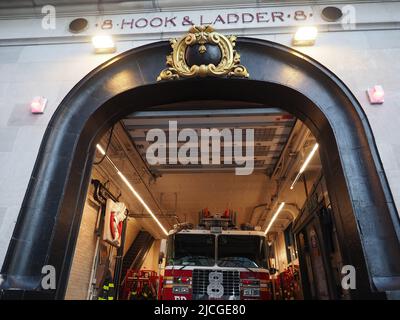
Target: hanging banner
(113, 222)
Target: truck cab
(216, 261)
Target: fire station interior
(285, 195)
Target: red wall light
(38, 104)
(376, 95)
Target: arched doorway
(280, 77)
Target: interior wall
(280, 252)
(215, 191)
(79, 278)
(132, 230)
(151, 261)
(84, 255)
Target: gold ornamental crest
(201, 53)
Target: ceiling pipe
(301, 138)
(291, 204)
(291, 212)
(255, 208)
(298, 141)
(119, 130)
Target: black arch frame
(49, 219)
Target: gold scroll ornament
(229, 64)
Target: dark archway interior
(279, 77)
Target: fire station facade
(59, 95)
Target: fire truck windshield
(191, 250)
(243, 251)
(234, 251)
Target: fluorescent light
(101, 150)
(305, 36)
(103, 44)
(135, 193)
(274, 217)
(305, 164)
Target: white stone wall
(360, 58)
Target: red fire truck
(216, 261)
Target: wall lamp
(376, 95)
(132, 189)
(274, 217)
(305, 36)
(38, 104)
(305, 164)
(103, 44)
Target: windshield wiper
(250, 270)
(236, 265)
(193, 259)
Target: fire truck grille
(230, 283)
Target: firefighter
(147, 292)
(108, 290)
(133, 295)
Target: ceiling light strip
(134, 192)
(305, 164)
(274, 217)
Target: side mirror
(272, 271)
(161, 257)
(163, 249)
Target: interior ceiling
(186, 194)
(272, 128)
